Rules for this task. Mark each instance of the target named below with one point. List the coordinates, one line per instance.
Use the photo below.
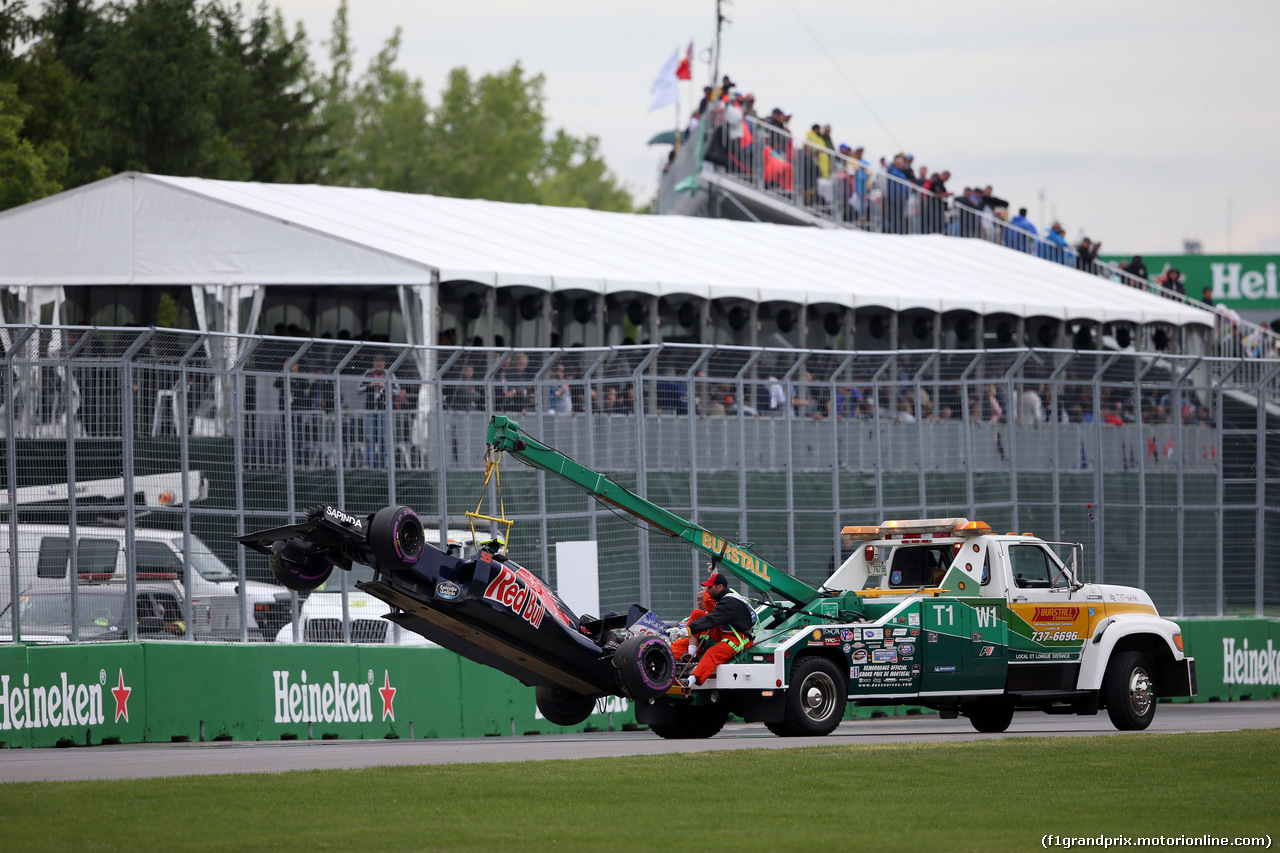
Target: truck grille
(329, 630)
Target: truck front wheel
(815, 700)
(993, 716)
(1129, 690)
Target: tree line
(184, 87)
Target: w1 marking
(986, 617)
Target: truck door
(1048, 626)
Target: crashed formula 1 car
(489, 609)
(942, 613)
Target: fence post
(71, 490)
(184, 455)
(642, 479)
(130, 511)
(11, 433)
(1260, 473)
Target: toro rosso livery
(936, 612)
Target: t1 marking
(951, 616)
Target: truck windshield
(45, 612)
(206, 562)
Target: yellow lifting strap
(492, 461)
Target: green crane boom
(504, 435)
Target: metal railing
(843, 191)
(1168, 468)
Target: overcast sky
(1142, 123)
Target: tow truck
(941, 613)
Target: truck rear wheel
(693, 722)
(1129, 690)
(993, 716)
(396, 537)
(561, 707)
(645, 666)
(815, 701)
(296, 566)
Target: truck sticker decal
(884, 656)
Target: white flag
(666, 87)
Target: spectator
(1031, 406)
(935, 210)
(969, 210)
(1055, 247)
(702, 104)
(376, 384)
(1206, 296)
(749, 106)
(561, 398)
(816, 166)
(1171, 280)
(1136, 267)
(1022, 232)
(465, 396)
(1087, 254)
(899, 191)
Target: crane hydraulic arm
(504, 435)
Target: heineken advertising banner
(128, 693)
(1235, 658)
(1242, 282)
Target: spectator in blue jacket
(1055, 246)
(1019, 229)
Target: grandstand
(245, 257)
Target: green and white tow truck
(940, 612)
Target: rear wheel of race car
(296, 566)
(692, 722)
(993, 716)
(1129, 689)
(645, 666)
(561, 707)
(396, 537)
(815, 701)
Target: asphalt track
(137, 761)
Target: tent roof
(152, 229)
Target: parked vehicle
(100, 614)
(44, 562)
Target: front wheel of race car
(645, 666)
(814, 704)
(396, 537)
(692, 722)
(296, 566)
(562, 708)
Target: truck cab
(1006, 622)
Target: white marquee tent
(228, 239)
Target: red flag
(685, 71)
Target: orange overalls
(706, 604)
(726, 642)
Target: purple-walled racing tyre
(295, 567)
(396, 537)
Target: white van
(44, 561)
(320, 620)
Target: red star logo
(122, 699)
(388, 697)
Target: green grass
(982, 796)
